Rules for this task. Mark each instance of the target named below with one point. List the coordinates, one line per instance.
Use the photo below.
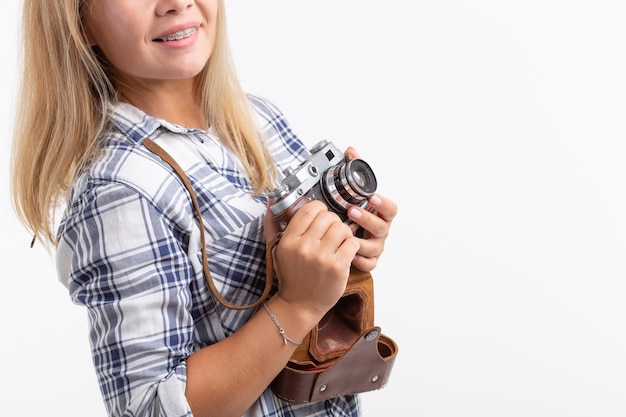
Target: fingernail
(355, 213)
(375, 200)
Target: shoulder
(263, 107)
(125, 187)
(275, 130)
(124, 171)
(268, 116)
(127, 161)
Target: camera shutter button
(279, 192)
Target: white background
(497, 126)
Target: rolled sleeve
(127, 266)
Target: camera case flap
(344, 354)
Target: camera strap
(345, 353)
(166, 157)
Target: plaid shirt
(129, 251)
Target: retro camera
(327, 176)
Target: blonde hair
(63, 94)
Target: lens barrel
(348, 183)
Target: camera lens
(360, 177)
(349, 183)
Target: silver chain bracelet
(280, 329)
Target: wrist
(296, 321)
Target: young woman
(103, 79)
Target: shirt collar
(138, 125)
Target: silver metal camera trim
(299, 181)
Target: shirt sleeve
(125, 263)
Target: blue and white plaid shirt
(129, 251)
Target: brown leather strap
(156, 149)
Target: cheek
(113, 26)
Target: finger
(327, 226)
(336, 234)
(364, 263)
(348, 249)
(351, 153)
(385, 208)
(304, 217)
(371, 222)
(371, 248)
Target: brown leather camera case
(343, 354)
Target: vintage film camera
(327, 176)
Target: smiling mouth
(176, 36)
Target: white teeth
(176, 36)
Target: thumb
(351, 153)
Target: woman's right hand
(312, 260)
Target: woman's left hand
(375, 224)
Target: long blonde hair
(63, 93)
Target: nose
(172, 6)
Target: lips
(176, 36)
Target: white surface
(498, 127)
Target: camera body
(327, 176)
